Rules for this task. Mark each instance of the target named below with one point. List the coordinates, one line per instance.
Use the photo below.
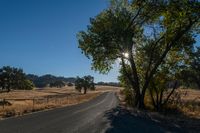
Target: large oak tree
(14, 78)
(140, 34)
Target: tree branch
(167, 49)
(173, 89)
(126, 73)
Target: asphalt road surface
(87, 117)
(100, 115)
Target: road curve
(87, 117)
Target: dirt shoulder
(171, 122)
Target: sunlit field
(24, 101)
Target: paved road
(100, 115)
(87, 117)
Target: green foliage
(129, 96)
(124, 81)
(191, 72)
(58, 84)
(87, 82)
(79, 83)
(104, 40)
(157, 36)
(27, 85)
(14, 78)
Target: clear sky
(40, 36)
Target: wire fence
(13, 106)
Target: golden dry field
(25, 101)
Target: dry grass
(25, 101)
(187, 117)
(189, 103)
(107, 88)
(191, 94)
(36, 93)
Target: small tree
(58, 84)
(87, 82)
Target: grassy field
(184, 115)
(39, 93)
(186, 103)
(189, 102)
(25, 101)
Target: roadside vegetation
(155, 43)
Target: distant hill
(45, 80)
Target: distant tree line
(116, 84)
(50, 80)
(190, 74)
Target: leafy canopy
(155, 35)
(14, 78)
(87, 82)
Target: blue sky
(40, 36)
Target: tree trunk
(137, 97)
(197, 82)
(133, 84)
(152, 97)
(85, 90)
(139, 101)
(141, 104)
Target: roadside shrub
(3, 102)
(129, 96)
(10, 113)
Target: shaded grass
(183, 113)
(187, 103)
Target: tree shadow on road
(123, 121)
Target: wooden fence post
(47, 99)
(33, 103)
(67, 99)
(4, 101)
